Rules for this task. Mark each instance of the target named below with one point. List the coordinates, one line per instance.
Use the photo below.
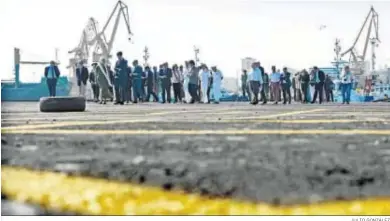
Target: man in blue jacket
(52, 73)
(286, 86)
(137, 82)
(121, 75)
(150, 81)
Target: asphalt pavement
(276, 154)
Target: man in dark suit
(286, 86)
(304, 82)
(82, 78)
(329, 86)
(318, 80)
(165, 76)
(52, 73)
(150, 81)
(264, 77)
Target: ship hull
(32, 91)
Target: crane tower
(93, 37)
(357, 60)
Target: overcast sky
(277, 33)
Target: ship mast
(337, 50)
(146, 56)
(196, 51)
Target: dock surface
(278, 156)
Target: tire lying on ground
(62, 104)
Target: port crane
(94, 38)
(82, 51)
(356, 60)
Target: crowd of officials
(126, 83)
(190, 83)
(279, 85)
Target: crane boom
(356, 59)
(104, 46)
(93, 37)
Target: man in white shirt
(275, 84)
(177, 78)
(216, 83)
(255, 81)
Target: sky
(281, 33)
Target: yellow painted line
(50, 117)
(47, 118)
(197, 132)
(80, 123)
(43, 124)
(89, 123)
(71, 123)
(92, 196)
(305, 121)
(348, 114)
(282, 114)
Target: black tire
(62, 104)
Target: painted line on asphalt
(17, 125)
(198, 132)
(69, 124)
(93, 196)
(306, 121)
(90, 123)
(292, 113)
(350, 114)
(43, 125)
(78, 123)
(130, 114)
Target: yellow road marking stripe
(305, 121)
(35, 124)
(161, 111)
(65, 124)
(348, 114)
(92, 196)
(75, 116)
(282, 114)
(222, 114)
(72, 123)
(198, 132)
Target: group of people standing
(278, 84)
(125, 84)
(270, 86)
(192, 83)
